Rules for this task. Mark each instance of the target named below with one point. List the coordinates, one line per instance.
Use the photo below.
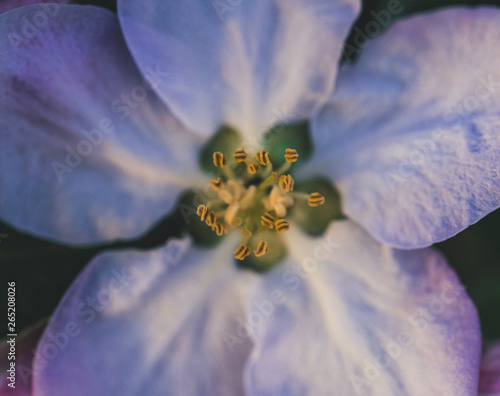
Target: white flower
(89, 154)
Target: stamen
(316, 199)
(246, 233)
(291, 155)
(202, 211)
(282, 225)
(240, 155)
(242, 200)
(267, 220)
(263, 157)
(216, 185)
(286, 183)
(241, 252)
(220, 159)
(262, 249)
(273, 178)
(211, 219)
(219, 229)
(253, 168)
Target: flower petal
(88, 152)
(148, 323)
(412, 135)
(489, 379)
(45, 7)
(351, 316)
(248, 64)
(24, 345)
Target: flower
(347, 312)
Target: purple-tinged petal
(489, 376)
(88, 152)
(148, 323)
(22, 348)
(348, 316)
(248, 64)
(48, 8)
(412, 134)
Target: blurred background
(43, 270)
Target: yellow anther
(246, 233)
(216, 185)
(263, 157)
(262, 249)
(316, 199)
(267, 220)
(202, 212)
(282, 225)
(286, 183)
(220, 159)
(253, 168)
(240, 155)
(219, 229)
(291, 155)
(241, 252)
(211, 219)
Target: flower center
(254, 198)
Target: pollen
(253, 168)
(216, 185)
(286, 183)
(219, 229)
(242, 252)
(291, 155)
(316, 199)
(211, 219)
(240, 155)
(220, 159)
(202, 211)
(267, 220)
(282, 225)
(262, 248)
(263, 157)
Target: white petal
(149, 323)
(248, 64)
(79, 165)
(347, 316)
(412, 135)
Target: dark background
(43, 271)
